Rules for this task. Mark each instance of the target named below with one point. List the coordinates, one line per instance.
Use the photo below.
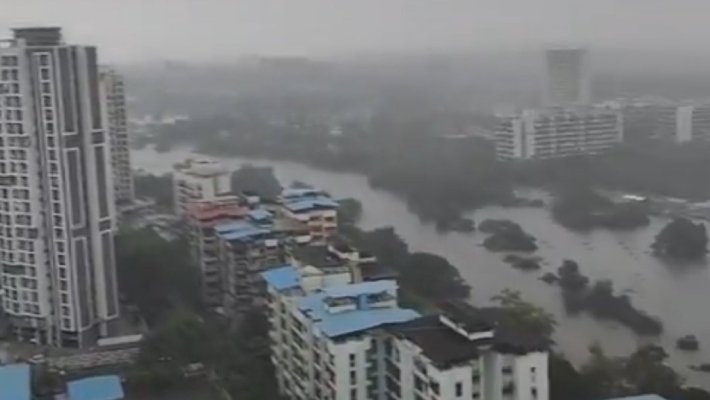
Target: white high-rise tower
(57, 214)
(568, 76)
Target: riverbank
(678, 297)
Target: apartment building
(464, 353)
(202, 216)
(198, 179)
(113, 95)
(56, 193)
(311, 206)
(249, 246)
(568, 77)
(333, 338)
(320, 345)
(557, 132)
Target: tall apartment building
(335, 339)
(568, 77)
(114, 104)
(202, 217)
(557, 132)
(56, 191)
(198, 180)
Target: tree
(182, 338)
(155, 275)
(647, 372)
(260, 180)
(682, 239)
(523, 316)
(157, 188)
(349, 211)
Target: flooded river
(679, 296)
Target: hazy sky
(133, 30)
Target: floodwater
(679, 296)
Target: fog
(219, 30)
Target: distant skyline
(213, 30)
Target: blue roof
(310, 203)
(239, 230)
(346, 322)
(232, 226)
(282, 278)
(105, 387)
(260, 214)
(15, 382)
(296, 192)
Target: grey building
(114, 98)
(57, 213)
(568, 76)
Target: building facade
(114, 105)
(202, 217)
(56, 198)
(198, 180)
(568, 77)
(557, 132)
(313, 207)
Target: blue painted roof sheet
(311, 203)
(346, 322)
(282, 278)
(260, 214)
(15, 382)
(361, 288)
(295, 192)
(232, 226)
(105, 387)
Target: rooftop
(15, 382)
(311, 204)
(292, 193)
(282, 278)
(333, 325)
(105, 387)
(208, 211)
(260, 214)
(446, 347)
(318, 256)
(359, 289)
(239, 230)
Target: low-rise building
(313, 207)
(202, 216)
(198, 180)
(557, 132)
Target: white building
(56, 193)
(336, 340)
(114, 105)
(463, 353)
(557, 132)
(568, 76)
(198, 180)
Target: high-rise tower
(568, 76)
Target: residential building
(568, 76)
(332, 338)
(557, 132)
(196, 179)
(114, 105)
(312, 206)
(249, 246)
(202, 217)
(464, 353)
(56, 193)
(321, 345)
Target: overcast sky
(138, 30)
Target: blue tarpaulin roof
(259, 214)
(15, 382)
(310, 203)
(106, 387)
(282, 278)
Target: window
(46, 88)
(459, 389)
(353, 394)
(44, 74)
(43, 60)
(353, 377)
(352, 360)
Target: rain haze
(355, 199)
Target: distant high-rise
(567, 77)
(57, 216)
(114, 97)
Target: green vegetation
(523, 263)
(259, 180)
(155, 275)
(508, 236)
(681, 239)
(584, 208)
(349, 212)
(599, 299)
(157, 188)
(524, 316)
